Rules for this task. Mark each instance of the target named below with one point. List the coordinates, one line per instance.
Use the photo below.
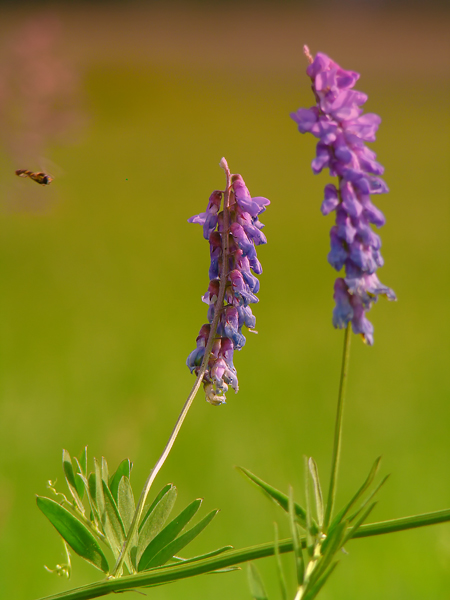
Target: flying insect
(40, 177)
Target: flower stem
(116, 572)
(338, 429)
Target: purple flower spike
(337, 120)
(241, 286)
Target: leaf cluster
(97, 515)
(315, 544)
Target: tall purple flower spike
(244, 234)
(341, 128)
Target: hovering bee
(41, 178)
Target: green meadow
(101, 282)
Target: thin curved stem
(338, 429)
(187, 405)
(167, 574)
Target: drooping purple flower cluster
(342, 130)
(243, 234)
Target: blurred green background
(101, 280)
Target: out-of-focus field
(101, 279)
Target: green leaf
(162, 493)
(92, 486)
(82, 462)
(77, 536)
(202, 556)
(298, 554)
(309, 537)
(124, 469)
(276, 495)
(99, 496)
(255, 583)
(359, 522)
(334, 539)
(368, 499)
(315, 589)
(168, 534)
(332, 544)
(105, 472)
(113, 525)
(317, 490)
(156, 519)
(281, 577)
(359, 493)
(70, 479)
(94, 514)
(78, 482)
(180, 542)
(125, 502)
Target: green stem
(187, 405)
(338, 429)
(171, 573)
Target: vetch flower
(337, 120)
(233, 233)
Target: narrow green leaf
(332, 544)
(359, 493)
(82, 461)
(99, 496)
(309, 537)
(113, 525)
(168, 534)
(281, 576)
(156, 519)
(276, 495)
(124, 469)
(162, 493)
(77, 536)
(92, 486)
(298, 555)
(93, 509)
(202, 556)
(255, 583)
(125, 502)
(315, 589)
(70, 479)
(180, 542)
(359, 522)
(317, 490)
(334, 539)
(105, 471)
(78, 482)
(368, 499)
